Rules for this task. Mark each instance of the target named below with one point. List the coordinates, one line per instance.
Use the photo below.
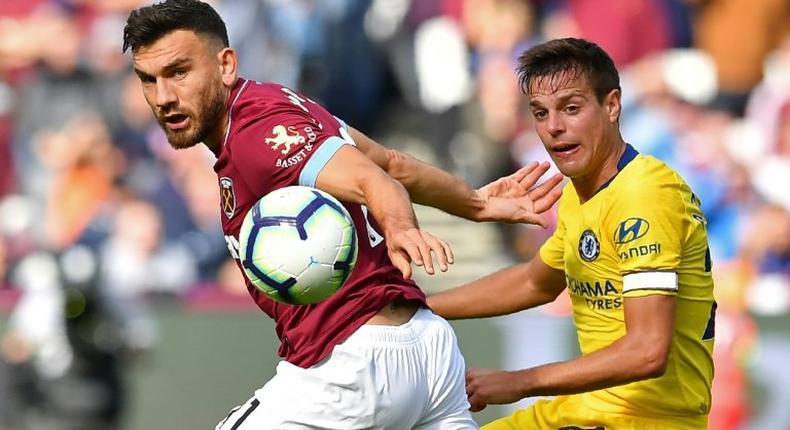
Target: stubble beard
(201, 124)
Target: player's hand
(491, 387)
(420, 247)
(516, 199)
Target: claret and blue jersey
(643, 233)
(277, 138)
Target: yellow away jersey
(645, 220)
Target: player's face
(576, 129)
(183, 84)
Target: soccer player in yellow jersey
(631, 249)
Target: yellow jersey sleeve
(648, 226)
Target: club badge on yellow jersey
(589, 247)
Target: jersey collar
(238, 87)
(628, 155)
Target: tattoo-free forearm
(352, 177)
(389, 203)
(622, 362)
(513, 289)
(428, 185)
(641, 353)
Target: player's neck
(587, 186)
(216, 137)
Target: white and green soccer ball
(298, 245)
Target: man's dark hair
(148, 24)
(577, 57)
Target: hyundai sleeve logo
(630, 230)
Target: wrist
(476, 205)
(525, 382)
(394, 227)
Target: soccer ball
(297, 245)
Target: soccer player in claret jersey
(631, 249)
(372, 355)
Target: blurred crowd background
(99, 216)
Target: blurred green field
(207, 362)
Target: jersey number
(710, 328)
(373, 236)
(233, 246)
(296, 99)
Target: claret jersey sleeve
(289, 145)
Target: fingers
(418, 250)
(544, 188)
(401, 262)
(476, 405)
(420, 247)
(545, 195)
(548, 201)
(529, 180)
(476, 401)
(535, 219)
(440, 249)
(435, 246)
(521, 173)
(448, 251)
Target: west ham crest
(227, 196)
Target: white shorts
(410, 376)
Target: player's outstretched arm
(509, 290)
(642, 353)
(511, 199)
(352, 177)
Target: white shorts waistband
(407, 332)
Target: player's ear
(612, 105)
(228, 65)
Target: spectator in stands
(135, 247)
(83, 164)
(739, 54)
